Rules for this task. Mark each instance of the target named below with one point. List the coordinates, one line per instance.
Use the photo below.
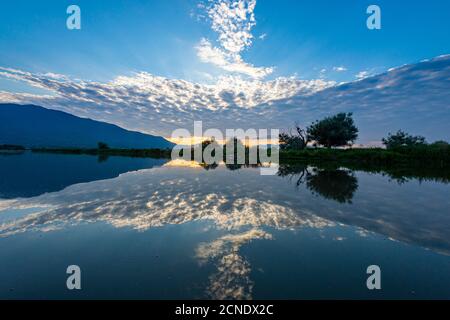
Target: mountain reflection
(29, 174)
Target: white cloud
(263, 36)
(322, 73)
(228, 62)
(362, 75)
(339, 69)
(158, 105)
(143, 101)
(233, 20)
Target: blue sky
(321, 40)
(302, 37)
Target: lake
(158, 229)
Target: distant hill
(34, 126)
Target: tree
(402, 139)
(335, 131)
(102, 146)
(441, 144)
(296, 140)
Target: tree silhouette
(335, 131)
(402, 139)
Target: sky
(154, 66)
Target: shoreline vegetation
(424, 162)
(427, 155)
(325, 143)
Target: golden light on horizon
(182, 163)
(197, 140)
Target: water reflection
(28, 174)
(231, 200)
(335, 184)
(339, 185)
(232, 279)
(163, 196)
(245, 206)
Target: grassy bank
(421, 155)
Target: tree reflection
(336, 184)
(339, 185)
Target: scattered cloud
(230, 63)
(165, 196)
(340, 69)
(155, 104)
(159, 105)
(362, 75)
(232, 279)
(377, 70)
(233, 22)
(322, 73)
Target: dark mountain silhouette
(34, 126)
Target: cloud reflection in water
(244, 205)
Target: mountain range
(35, 126)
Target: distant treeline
(11, 147)
(427, 155)
(137, 153)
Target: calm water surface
(154, 229)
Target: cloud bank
(413, 97)
(155, 104)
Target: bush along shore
(427, 155)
